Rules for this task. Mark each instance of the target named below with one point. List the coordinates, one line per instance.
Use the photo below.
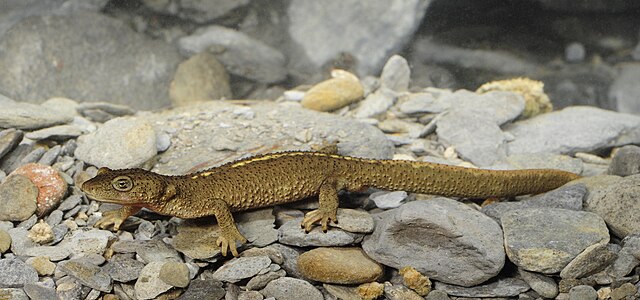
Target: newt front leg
(116, 217)
(229, 233)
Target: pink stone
(51, 186)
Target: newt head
(135, 187)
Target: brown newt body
(285, 177)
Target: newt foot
(109, 218)
(314, 216)
(227, 240)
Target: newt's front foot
(322, 215)
(113, 217)
(227, 240)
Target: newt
(284, 177)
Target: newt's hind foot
(314, 216)
(227, 240)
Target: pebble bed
(581, 241)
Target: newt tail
(284, 177)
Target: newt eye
(122, 183)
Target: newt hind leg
(328, 209)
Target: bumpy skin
(285, 177)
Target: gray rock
(437, 295)
(396, 74)
(28, 223)
(290, 255)
(543, 285)
(241, 268)
(16, 273)
(290, 233)
(17, 198)
(88, 241)
(60, 132)
(54, 218)
(624, 90)
(33, 156)
(199, 78)
(197, 10)
(369, 31)
(204, 289)
(258, 226)
(416, 103)
(55, 253)
(355, 221)
(574, 129)
(103, 111)
(575, 52)
(237, 51)
(37, 291)
(449, 241)
(546, 239)
(388, 199)
(497, 106)
(507, 287)
(616, 204)
(287, 288)
(69, 203)
(543, 161)
(175, 274)
(5, 241)
(209, 142)
(592, 260)
(119, 143)
(582, 292)
(626, 161)
(261, 280)
(399, 292)
(157, 251)
(375, 104)
(149, 285)
(50, 156)
(14, 293)
(87, 273)
(133, 69)
(567, 197)
(29, 116)
(123, 268)
(9, 139)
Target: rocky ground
(156, 68)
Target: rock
(149, 285)
(368, 31)
(204, 289)
(616, 204)
(217, 127)
(587, 6)
(626, 161)
(42, 265)
(388, 199)
(437, 295)
(575, 52)
(88, 241)
(87, 273)
(341, 90)
(290, 233)
(199, 78)
(51, 186)
(156, 251)
(567, 197)
(546, 239)
(399, 292)
(123, 268)
(174, 274)
(41, 233)
(60, 133)
(123, 143)
(543, 285)
(535, 100)
(418, 103)
(290, 255)
(9, 139)
(133, 69)
(103, 111)
(625, 290)
(258, 226)
(339, 265)
(5, 241)
(18, 196)
(197, 241)
(259, 281)
(573, 129)
(287, 288)
(414, 280)
(29, 116)
(236, 51)
(543, 161)
(241, 268)
(54, 218)
(396, 74)
(195, 10)
(354, 221)
(16, 273)
(582, 292)
(69, 203)
(507, 287)
(624, 90)
(442, 231)
(592, 260)
(14, 293)
(50, 156)
(374, 104)
(40, 291)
